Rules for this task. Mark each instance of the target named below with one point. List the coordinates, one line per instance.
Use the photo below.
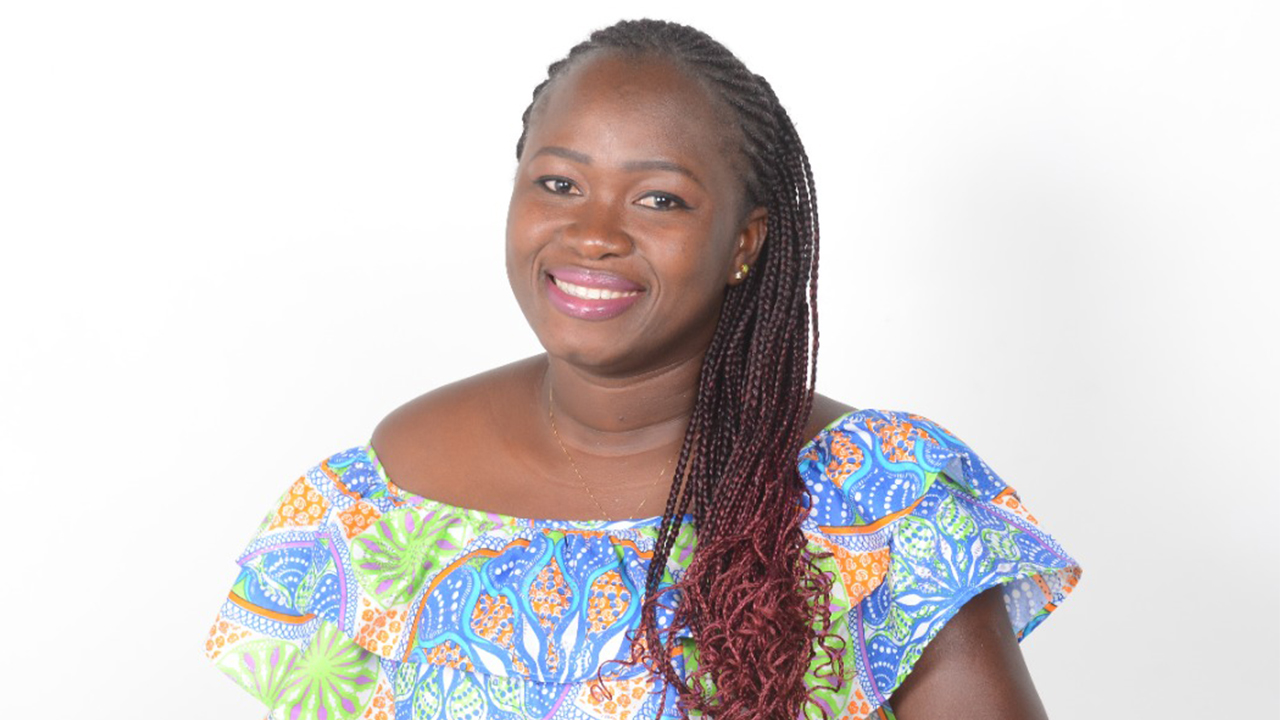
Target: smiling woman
(624, 186)
(657, 516)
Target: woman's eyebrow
(629, 166)
(565, 153)
(667, 165)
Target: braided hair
(754, 596)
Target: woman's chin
(600, 359)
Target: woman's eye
(662, 201)
(559, 186)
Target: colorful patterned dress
(357, 599)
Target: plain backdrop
(236, 234)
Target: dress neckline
(487, 516)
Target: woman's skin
(627, 181)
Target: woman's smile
(590, 294)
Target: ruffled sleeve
(917, 524)
(285, 632)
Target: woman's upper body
(791, 553)
(443, 446)
(372, 587)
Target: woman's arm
(972, 669)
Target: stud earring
(742, 272)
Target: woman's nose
(597, 231)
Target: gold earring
(742, 272)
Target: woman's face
(626, 222)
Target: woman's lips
(583, 277)
(590, 294)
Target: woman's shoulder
(443, 411)
(430, 443)
(826, 411)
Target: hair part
(754, 596)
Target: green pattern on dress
(466, 700)
(405, 680)
(395, 555)
(427, 700)
(263, 667)
(915, 539)
(334, 678)
(959, 525)
(507, 693)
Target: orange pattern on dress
(843, 447)
(860, 572)
(449, 654)
(859, 707)
(378, 630)
(301, 506)
(223, 635)
(444, 573)
(357, 518)
(276, 615)
(1044, 586)
(1073, 577)
(608, 601)
(1008, 499)
(491, 619)
(921, 418)
(898, 439)
(619, 699)
(549, 595)
(846, 459)
(383, 704)
(873, 526)
(338, 483)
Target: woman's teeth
(587, 293)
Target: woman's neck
(620, 416)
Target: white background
(236, 234)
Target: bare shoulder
(825, 411)
(973, 668)
(422, 443)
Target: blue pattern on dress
(452, 612)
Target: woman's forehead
(639, 82)
(644, 97)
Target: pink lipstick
(590, 294)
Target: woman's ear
(750, 241)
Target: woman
(662, 243)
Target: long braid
(754, 597)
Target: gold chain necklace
(552, 417)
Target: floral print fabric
(357, 599)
